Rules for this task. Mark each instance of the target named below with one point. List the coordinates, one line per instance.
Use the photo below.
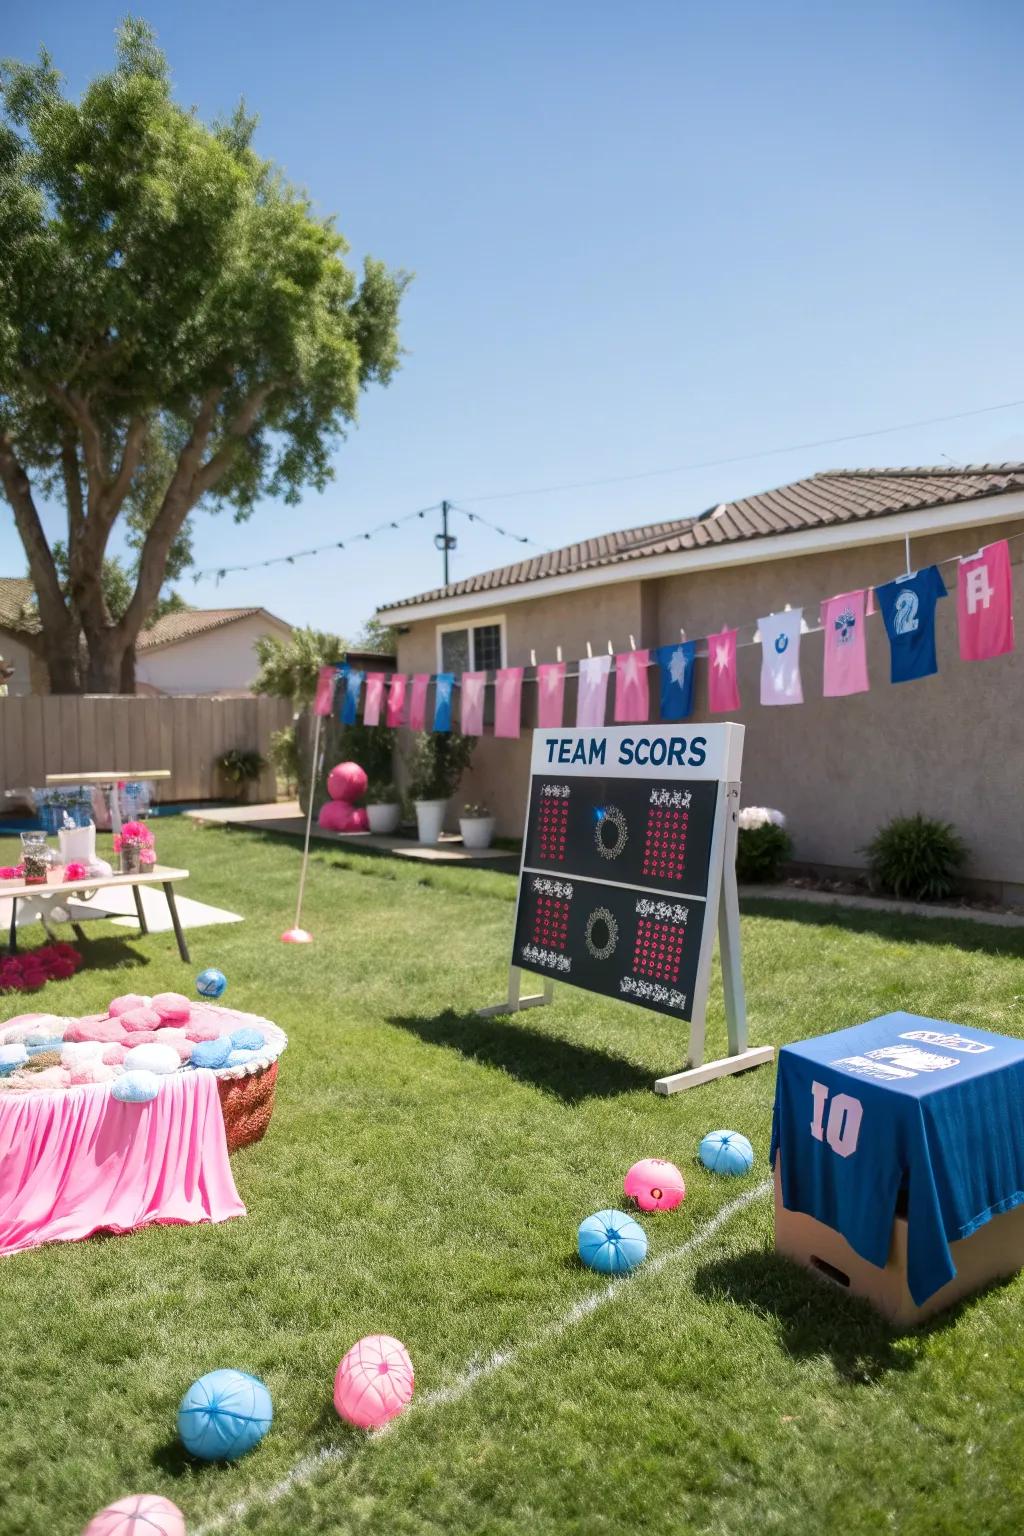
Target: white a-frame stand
(721, 893)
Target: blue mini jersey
(908, 609)
(902, 1103)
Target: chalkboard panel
(622, 861)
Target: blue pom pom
(136, 1087)
(247, 1039)
(212, 1053)
(211, 982)
(36, 1044)
(612, 1242)
(11, 1057)
(223, 1415)
(727, 1152)
(238, 1057)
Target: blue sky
(643, 236)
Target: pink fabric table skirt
(75, 1161)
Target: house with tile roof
(949, 745)
(204, 651)
(23, 671)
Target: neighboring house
(949, 746)
(16, 616)
(204, 650)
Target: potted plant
(438, 762)
(477, 826)
(383, 806)
(241, 768)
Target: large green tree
(178, 329)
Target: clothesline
(701, 653)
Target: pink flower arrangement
(133, 834)
(12, 872)
(75, 871)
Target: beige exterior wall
(220, 661)
(950, 745)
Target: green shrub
(916, 857)
(240, 767)
(437, 763)
(761, 852)
(284, 754)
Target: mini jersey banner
(396, 700)
(780, 658)
(444, 684)
(508, 695)
(984, 603)
(723, 685)
(675, 663)
(418, 702)
(632, 699)
(350, 700)
(472, 719)
(908, 609)
(846, 652)
(593, 690)
(374, 697)
(550, 694)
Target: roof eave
(947, 517)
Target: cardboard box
(993, 1252)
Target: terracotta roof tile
(834, 497)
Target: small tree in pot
(439, 759)
(383, 806)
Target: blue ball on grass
(611, 1242)
(727, 1152)
(223, 1415)
(211, 982)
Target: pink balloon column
(346, 783)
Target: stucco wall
(220, 661)
(950, 746)
(26, 673)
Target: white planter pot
(430, 819)
(384, 818)
(477, 831)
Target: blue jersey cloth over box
(902, 1103)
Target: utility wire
(743, 458)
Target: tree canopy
(178, 329)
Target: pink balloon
(296, 936)
(346, 781)
(141, 1514)
(374, 1381)
(339, 816)
(655, 1185)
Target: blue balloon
(727, 1152)
(612, 1242)
(211, 982)
(223, 1415)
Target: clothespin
(632, 643)
(589, 651)
(682, 634)
(558, 653)
(533, 658)
(611, 649)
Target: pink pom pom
(125, 1003)
(374, 1381)
(110, 1030)
(139, 1513)
(114, 1055)
(172, 1007)
(347, 781)
(203, 1029)
(655, 1184)
(144, 1037)
(137, 1019)
(91, 1072)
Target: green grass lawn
(424, 1175)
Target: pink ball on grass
(374, 1381)
(347, 781)
(655, 1184)
(141, 1514)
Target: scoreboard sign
(628, 865)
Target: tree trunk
(128, 670)
(106, 657)
(59, 650)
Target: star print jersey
(780, 658)
(846, 656)
(984, 597)
(908, 608)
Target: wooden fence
(93, 732)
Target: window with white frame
(478, 647)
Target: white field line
(307, 1467)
